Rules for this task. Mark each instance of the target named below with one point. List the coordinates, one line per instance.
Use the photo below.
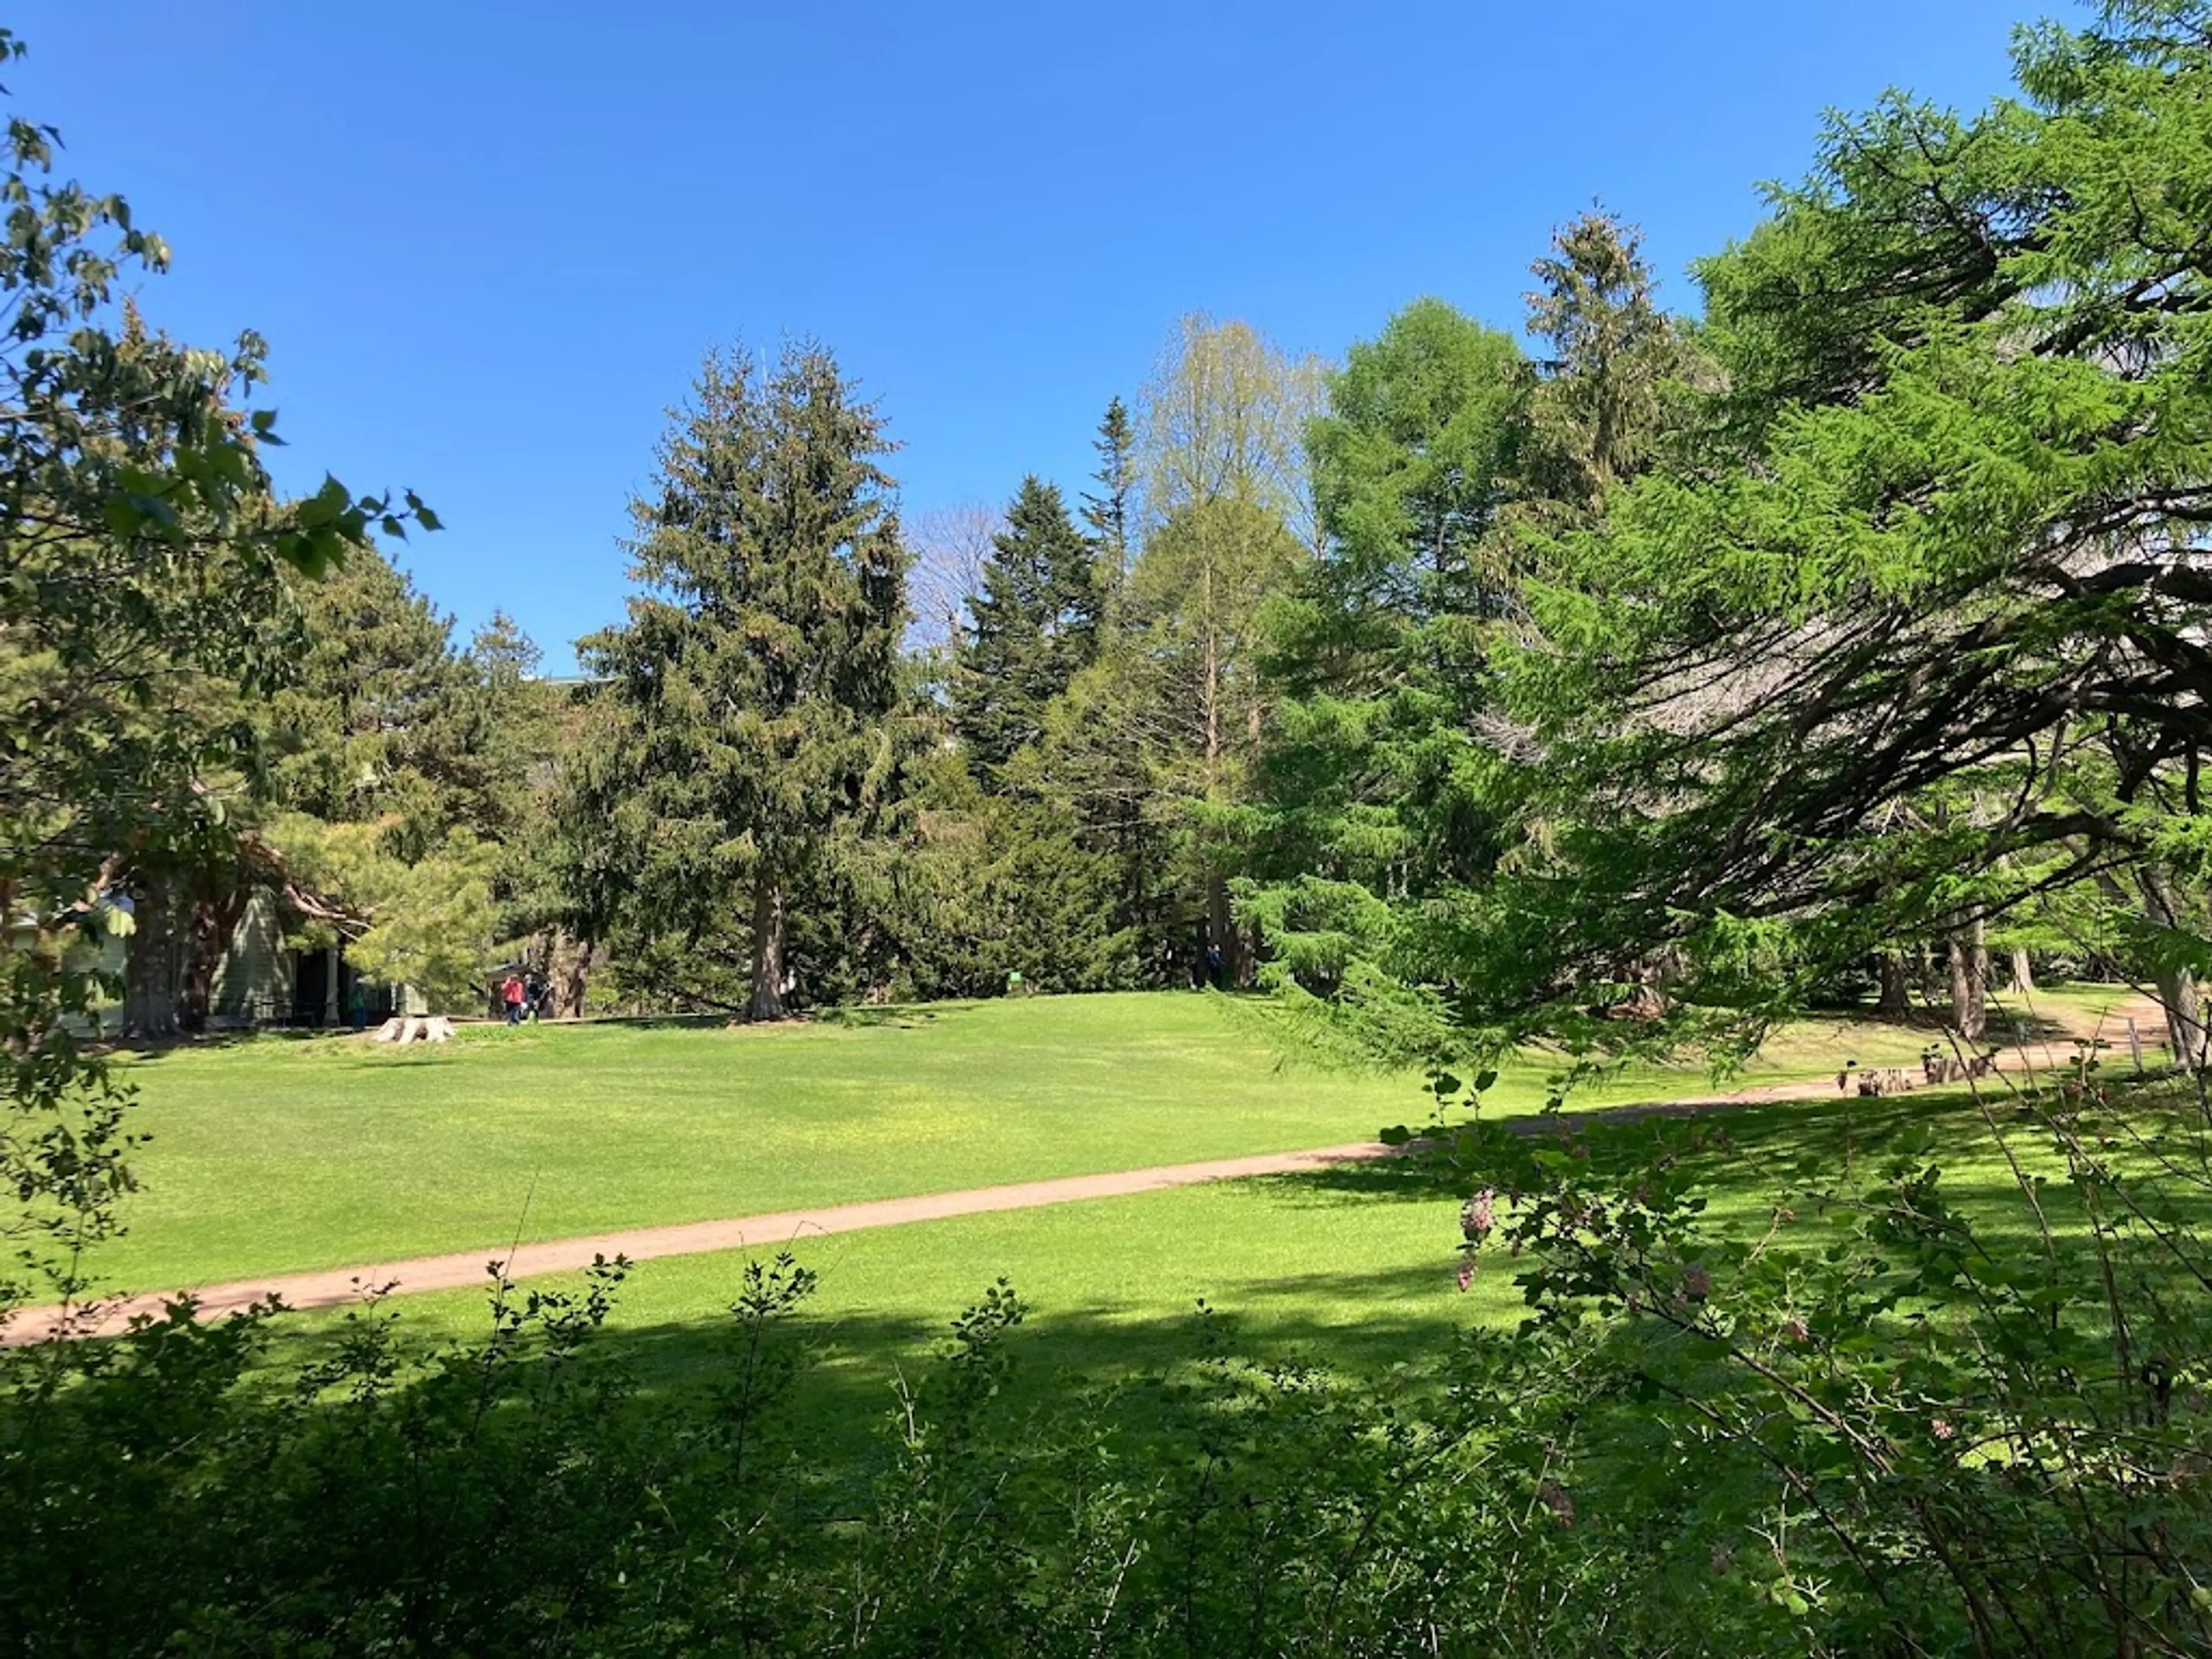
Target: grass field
(1352, 1268)
(281, 1154)
(289, 1154)
(285, 1154)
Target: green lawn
(1353, 1269)
(284, 1154)
(1297, 1268)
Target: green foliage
(1909, 1422)
(1223, 420)
(1374, 775)
(1857, 621)
(1033, 627)
(994, 885)
(383, 719)
(143, 560)
(1109, 514)
(427, 921)
(754, 708)
(1600, 411)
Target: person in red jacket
(511, 994)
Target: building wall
(254, 981)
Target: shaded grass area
(1293, 1270)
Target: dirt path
(462, 1268)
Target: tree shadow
(900, 1015)
(218, 1042)
(855, 1364)
(1741, 1155)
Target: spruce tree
(1598, 413)
(1106, 512)
(752, 710)
(1033, 628)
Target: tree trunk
(1894, 1000)
(1222, 937)
(214, 920)
(567, 969)
(767, 948)
(1970, 981)
(152, 975)
(2176, 986)
(2023, 971)
(2185, 1018)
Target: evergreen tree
(1372, 775)
(1034, 626)
(752, 715)
(1106, 512)
(1918, 661)
(385, 720)
(1598, 413)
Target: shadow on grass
(901, 1016)
(904, 1016)
(1750, 1163)
(847, 1391)
(212, 1041)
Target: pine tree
(1034, 627)
(1106, 512)
(1378, 659)
(384, 719)
(1599, 411)
(752, 715)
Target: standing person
(357, 1004)
(511, 994)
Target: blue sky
(489, 240)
